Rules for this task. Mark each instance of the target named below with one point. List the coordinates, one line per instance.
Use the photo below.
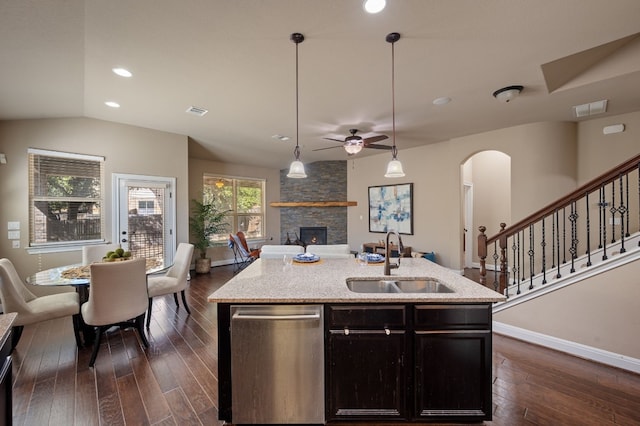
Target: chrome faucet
(387, 253)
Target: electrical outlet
(615, 221)
(15, 243)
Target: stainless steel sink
(400, 285)
(373, 286)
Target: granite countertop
(6, 322)
(269, 281)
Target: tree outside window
(243, 197)
(65, 196)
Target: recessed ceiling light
(281, 137)
(112, 104)
(374, 6)
(122, 72)
(441, 101)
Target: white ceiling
(235, 59)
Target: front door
(145, 216)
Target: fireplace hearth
(313, 235)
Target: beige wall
(597, 312)
(599, 152)
(543, 168)
(198, 167)
(126, 149)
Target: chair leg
(140, 327)
(184, 301)
(175, 297)
(76, 329)
(16, 333)
(96, 346)
(149, 312)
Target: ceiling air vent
(593, 108)
(197, 111)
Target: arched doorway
(486, 180)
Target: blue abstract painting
(391, 208)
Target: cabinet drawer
(366, 316)
(452, 317)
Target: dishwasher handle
(243, 316)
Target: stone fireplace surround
(326, 181)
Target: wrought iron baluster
(531, 256)
(495, 265)
(518, 269)
(522, 268)
(514, 268)
(543, 244)
(613, 210)
(553, 241)
(604, 205)
(588, 230)
(628, 206)
(622, 210)
(564, 235)
(573, 218)
(557, 243)
(600, 204)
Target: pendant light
(296, 170)
(394, 168)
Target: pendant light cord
(296, 151)
(394, 150)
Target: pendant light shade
(394, 168)
(296, 170)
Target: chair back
(274, 251)
(181, 262)
(95, 252)
(331, 251)
(238, 246)
(118, 292)
(13, 293)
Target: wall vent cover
(593, 108)
(197, 111)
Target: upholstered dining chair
(275, 251)
(118, 297)
(95, 253)
(31, 309)
(174, 281)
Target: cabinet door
(366, 378)
(452, 375)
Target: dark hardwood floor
(174, 381)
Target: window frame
(59, 246)
(208, 180)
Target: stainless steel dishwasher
(277, 364)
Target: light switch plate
(13, 225)
(14, 235)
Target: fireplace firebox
(313, 235)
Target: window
(65, 198)
(244, 197)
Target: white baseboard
(572, 348)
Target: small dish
(306, 258)
(375, 258)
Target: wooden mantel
(313, 203)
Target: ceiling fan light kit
(394, 168)
(296, 170)
(507, 94)
(374, 6)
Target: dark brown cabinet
(427, 363)
(452, 373)
(366, 375)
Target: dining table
(79, 277)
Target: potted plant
(205, 220)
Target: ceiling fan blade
(337, 140)
(329, 147)
(378, 146)
(373, 139)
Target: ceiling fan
(354, 143)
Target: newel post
(482, 254)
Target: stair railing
(560, 232)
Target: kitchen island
(382, 355)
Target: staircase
(589, 238)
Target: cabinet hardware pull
(387, 331)
(346, 331)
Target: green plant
(205, 220)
